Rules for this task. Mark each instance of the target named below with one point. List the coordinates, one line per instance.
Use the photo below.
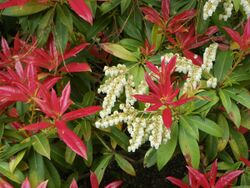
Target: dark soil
(147, 177)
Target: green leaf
(238, 144)
(206, 125)
(150, 158)
(138, 73)
(65, 17)
(236, 5)
(17, 176)
(191, 129)
(156, 37)
(108, 6)
(235, 114)
(88, 99)
(1, 131)
(16, 160)
(223, 64)
(211, 147)
(36, 169)
(101, 166)
(189, 148)
(27, 9)
(222, 142)
(225, 99)
(119, 137)
(130, 44)
(124, 5)
(166, 151)
(119, 51)
(241, 96)
(124, 165)
(61, 36)
(41, 145)
(51, 174)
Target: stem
(103, 142)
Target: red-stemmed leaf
(76, 67)
(177, 182)
(73, 184)
(82, 10)
(81, 113)
(71, 139)
(93, 180)
(227, 179)
(114, 184)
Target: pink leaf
(146, 99)
(93, 180)
(73, 184)
(4, 184)
(71, 139)
(36, 126)
(76, 67)
(72, 52)
(81, 113)
(43, 184)
(82, 10)
(26, 184)
(5, 46)
(165, 9)
(152, 85)
(177, 182)
(153, 68)
(167, 117)
(114, 184)
(11, 3)
(151, 15)
(226, 179)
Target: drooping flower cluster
(140, 127)
(209, 56)
(211, 5)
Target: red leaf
(199, 177)
(212, 30)
(65, 101)
(154, 107)
(234, 35)
(93, 180)
(11, 3)
(114, 184)
(5, 46)
(73, 184)
(165, 9)
(81, 113)
(50, 82)
(244, 160)
(146, 98)
(196, 59)
(82, 10)
(36, 126)
(72, 52)
(167, 117)
(26, 184)
(151, 15)
(76, 67)
(71, 139)
(213, 173)
(43, 184)
(4, 184)
(226, 179)
(152, 85)
(177, 182)
(246, 33)
(153, 68)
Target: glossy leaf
(41, 145)
(101, 166)
(93, 180)
(125, 165)
(16, 160)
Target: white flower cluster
(209, 8)
(228, 7)
(127, 115)
(246, 6)
(151, 129)
(212, 82)
(194, 77)
(209, 56)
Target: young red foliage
(242, 40)
(162, 93)
(208, 180)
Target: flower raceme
(55, 108)
(78, 6)
(208, 180)
(162, 94)
(242, 40)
